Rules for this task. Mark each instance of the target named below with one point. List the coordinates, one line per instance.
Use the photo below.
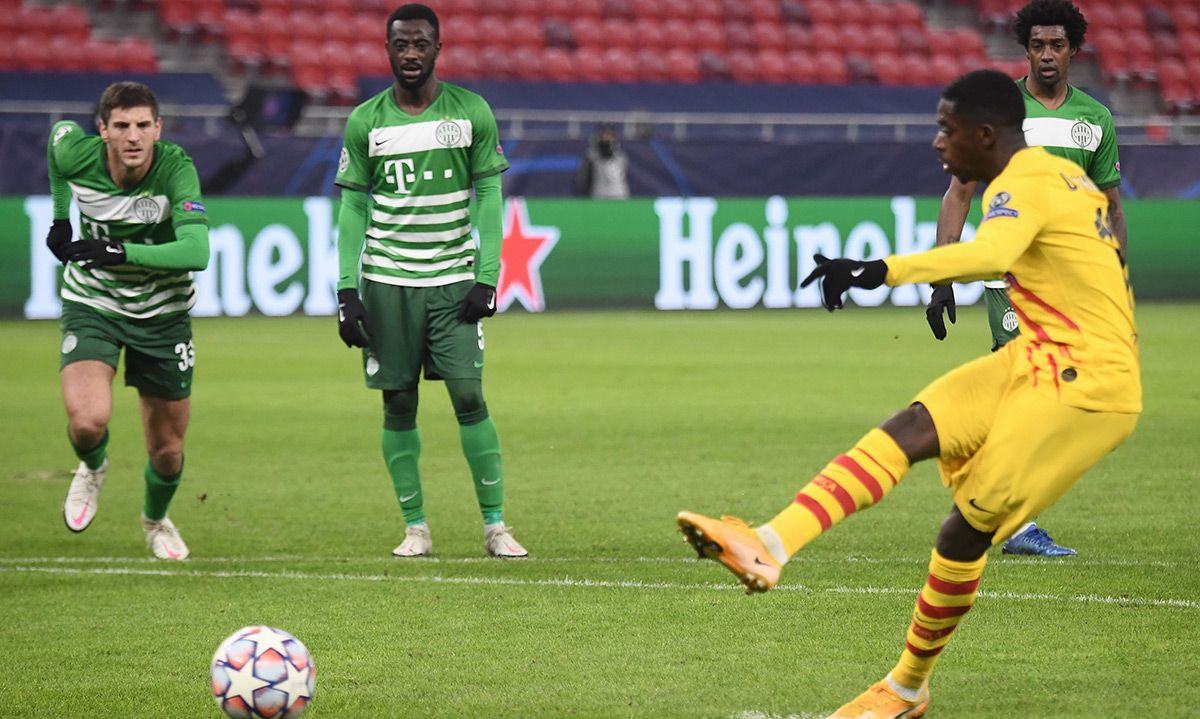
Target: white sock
(771, 540)
(908, 695)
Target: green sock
(481, 445)
(159, 490)
(93, 457)
(402, 451)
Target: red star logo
(525, 247)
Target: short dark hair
(1047, 13)
(415, 11)
(124, 95)
(987, 97)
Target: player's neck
(126, 177)
(1051, 97)
(416, 101)
(1004, 152)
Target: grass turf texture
(611, 422)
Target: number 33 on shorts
(187, 355)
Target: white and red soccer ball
(262, 673)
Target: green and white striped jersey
(1081, 130)
(418, 170)
(167, 197)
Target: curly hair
(1048, 13)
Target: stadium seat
(913, 41)
(462, 63)
(744, 66)
(736, 11)
(70, 22)
(589, 64)
(709, 35)
(557, 33)
(525, 31)
(371, 59)
(33, 53)
(773, 67)
(1189, 44)
(855, 39)
(8, 60)
(830, 68)
(859, 70)
(69, 55)
(889, 70)
(765, 11)
(1114, 66)
(651, 33)
(682, 65)
(1100, 16)
(648, 10)
(675, 9)
(1186, 17)
(714, 67)
(802, 68)
(587, 8)
(739, 35)
(821, 12)
(852, 12)
(618, 32)
(559, 65)
(558, 9)
(137, 55)
(883, 37)
(621, 64)
(826, 36)
(617, 9)
(497, 62)
(492, 30)
(707, 10)
(679, 34)
(1158, 20)
(529, 7)
(340, 25)
(796, 37)
(652, 66)
(793, 12)
(907, 15)
(588, 32)
(1130, 17)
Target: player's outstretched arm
(839, 275)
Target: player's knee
(467, 398)
(167, 458)
(87, 428)
(913, 430)
(400, 410)
(958, 541)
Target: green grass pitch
(611, 422)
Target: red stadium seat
(821, 12)
(856, 39)
(1189, 44)
(768, 36)
(709, 35)
(559, 64)
(889, 69)
(773, 67)
(589, 65)
(913, 41)
(830, 68)
(618, 9)
(104, 56)
(559, 9)
(765, 10)
(588, 32)
(827, 36)
(33, 53)
(860, 71)
(8, 56)
(1130, 17)
(1102, 16)
(137, 55)
(675, 9)
(463, 64)
(497, 62)
(525, 31)
(619, 32)
(588, 8)
(739, 36)
(679, 33)
(744, 66)
(651, 33)
(802, 67)
(528, 7)
(708, 10)
(797, 37)
(652, 66)
(1115, 65)
(557, 33)
(492, 30)
(649, 10)
(907, 14)
(852, 12)
(915, 69)
(883, 38)
(683, 65)
(621, 64)
(71, 23)
(736, 11)
(371, 59)
(1186, 17)
(68, 55)
(714, 67)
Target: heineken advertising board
(277, 256)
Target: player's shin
(852, 481)
(159, 491)
(402, 453)
(947, 596)
(481, 445)
(93, 457)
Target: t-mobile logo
(400, 173)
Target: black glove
(837, 276)
(95, 253)
(942, 299)
(352, 318)
(480, 303)
(58, 239)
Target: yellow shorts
(1007, 450)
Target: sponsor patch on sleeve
(499, 150)
(193, 206)
(343, 161)
(998, 207)
(62, 132)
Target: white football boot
(499, 542)
(416, 542)
(164, 539)
(83, 497)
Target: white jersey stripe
(103, 207)
(390, 264)
(421, 200)
(438, 281)
(1062, 132)
(149, 309)
(419, 137)
(436, 218)
(379, 248)
(423, 237)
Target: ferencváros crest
(1081, 133)
(448, 133)
(147, 210)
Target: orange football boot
(733, 543)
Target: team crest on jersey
(147, 210)
(998, 207)
(343, 161)
(1081, 134)
(69, 343)
(62, 132)
(448, 133)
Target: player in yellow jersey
(1012, 431)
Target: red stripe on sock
(839, 493)
(933, 612)
(877, 464)
(931, 634)
(923, 652)
(845, 462)
(944, 587)
(817, 510)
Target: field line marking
(584, 583)
(799, 561)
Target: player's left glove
(480, 303)
(837, 276)
(942, 299)
(96, 253)
(59, 238)
(352, 318)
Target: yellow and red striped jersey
(1045, 226)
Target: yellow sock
(852, 481)
(947, 596)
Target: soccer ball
(262, 672)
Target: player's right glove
(942, 299)
(837, 276)
(352, 318)
(58, 239)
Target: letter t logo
(397, 171)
